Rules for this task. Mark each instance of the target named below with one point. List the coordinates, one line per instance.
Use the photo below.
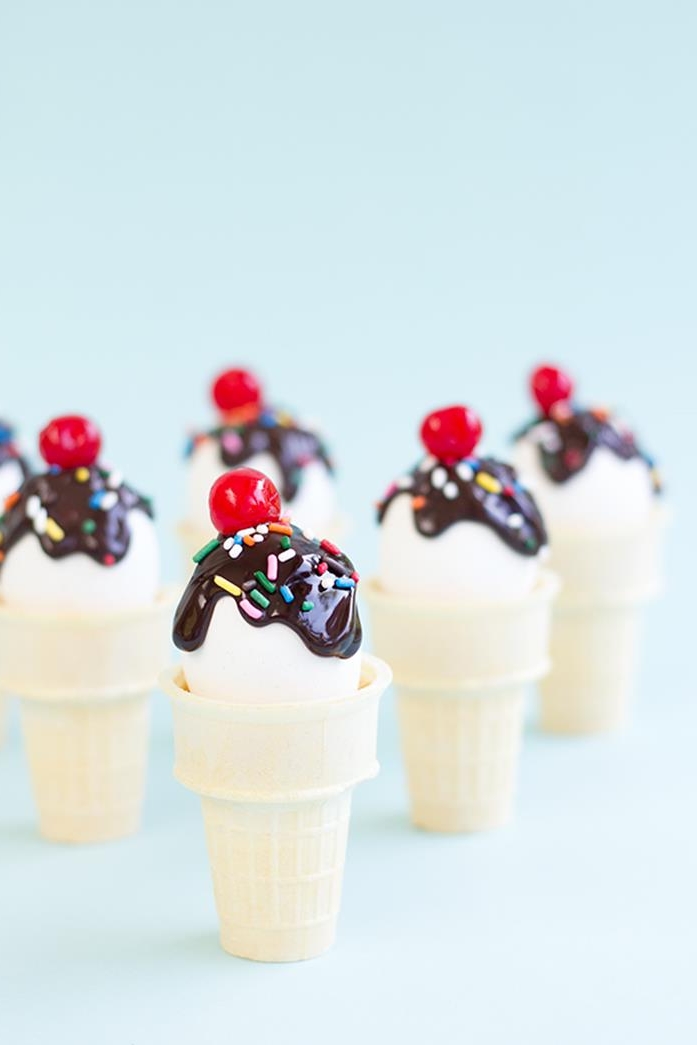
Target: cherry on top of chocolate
(567, 435)
(451, 485)
(248, 427)
(76, 506)
(241, 498)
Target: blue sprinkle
(267, 420)
(54, 469)
(237, 539)
(189, 447)
(286, 593)
(95, 500)
(344, 582)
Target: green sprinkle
(260, 599)
(89, 526)
(264, 581)
(307, 606)
(285, 543)
(206, 550)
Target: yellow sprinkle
(231, 589)
(82, 475)
(54, 531)
(489, 483)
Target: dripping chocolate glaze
(566, 442)
(8, 450)
(480, 490)
(271, 433)
(328, 624)
(74, 510)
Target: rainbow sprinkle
(307, 606)
(206, 550)
(54, 531)
(227, 586)
(260, 599)
(265, 582)
(250, 610)
(286, 593)
(488, 482)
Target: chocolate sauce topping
(474, 490)
(74, 510)
(568, 437)
(273, 433)
(274, 573)
(8, 450)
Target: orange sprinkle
(278, 528)
(418, 502)
(2, 556)
(249, 541)
(11, 501)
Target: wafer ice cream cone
(275, 719)
(82, 636)
(461, 671)
(460, 610)
(275, 782)
(598, 492)
(251, 433)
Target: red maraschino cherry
(550, 385)
(243, 498)
(237, 391)
(452, 433)
(70, 441)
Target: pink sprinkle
(329, 547)
(355, 577)
(272, 567)
(322, 567)
(250, 609)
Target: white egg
(468, 560)
(11, 478)
(608, 493)
(243, 664)
(31, 579)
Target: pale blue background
(381, 207)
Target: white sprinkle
(228, 543)
(33, 506)
(515, 521)
(439, 477)
(464, 471)
(404, 482)
(115, 480)
(286, 555)
(40, 520)
(246, 533)
(427, 464)
(108, 501)
(235, 551)
(257, 538)
(308, 535)
(327, 581)
(263, 529)
(450, 491)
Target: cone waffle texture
(597, 626)
(275, 782)
(461, 671)
(87, 762)
(84, 683)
